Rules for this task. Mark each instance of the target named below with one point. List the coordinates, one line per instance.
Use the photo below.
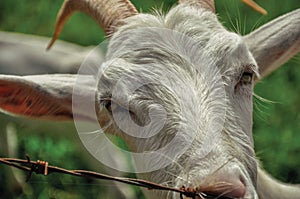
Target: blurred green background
(276, 123)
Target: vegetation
(276, 123)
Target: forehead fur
(213, 41)
(171, 52)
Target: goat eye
(107, 104)
(246, 78)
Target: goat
(193, 83)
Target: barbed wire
(43, 167)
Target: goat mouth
(196, 194)
(204, 195)
(212, 196)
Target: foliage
(276, 124)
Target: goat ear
(38, 96)
(276, 42)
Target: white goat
(193, 83)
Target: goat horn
(108, 13)
(207, 4)
(255, 6)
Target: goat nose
(229, 184)
(225, 188)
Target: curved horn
(207, 4)
(108, 13)
(255, 6)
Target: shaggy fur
(170, 60)
(178, 89)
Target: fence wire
(43, 167)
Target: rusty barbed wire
(43, 167)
